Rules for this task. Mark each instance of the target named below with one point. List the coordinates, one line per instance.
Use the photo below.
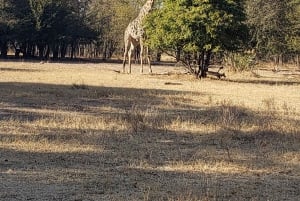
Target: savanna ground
(85, 132)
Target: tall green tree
(269, 24)
(294, 30)
(196, 29)
(51, 26)
(23, 26)
(4, 29)
(63, 25)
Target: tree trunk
(23, 49)
(200, 63)
(207, 60)
(17, 52)
(47, 55)
(55, 50)
(73, 50)
(111, 49)
(280, 60)
(178, 54)
(276, 62)
(63, 51)
(205, 63)
(3, 50)
(29, 51)
(104, 53)
(41, 51)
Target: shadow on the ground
(19, 70)
(80, 61)
(153, 162)
(263, 81)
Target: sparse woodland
(73, 129)
(193, 32)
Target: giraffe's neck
(145, 9)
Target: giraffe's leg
(131, 50)
(125, 55)
(149, 61)
(141, 55)
(137, 55)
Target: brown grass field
(85, 132)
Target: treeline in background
(187, 29)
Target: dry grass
(85, 132)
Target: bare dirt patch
(86, 132)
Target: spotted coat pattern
(133, 36)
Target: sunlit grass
(44, 146)
(133, 137)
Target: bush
(239, 62)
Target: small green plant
(239, 62)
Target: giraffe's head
(146, 8)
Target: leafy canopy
(197, 25)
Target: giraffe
(133, 37)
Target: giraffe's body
(133, 37)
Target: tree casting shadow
(132, 164)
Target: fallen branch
(173, 83)
(219, 74)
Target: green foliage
(46, 24)
(190, 30)
(197, 26)
(4, 30)
(274, 26)
(37, 8)
(239, 62)
(293, 37)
